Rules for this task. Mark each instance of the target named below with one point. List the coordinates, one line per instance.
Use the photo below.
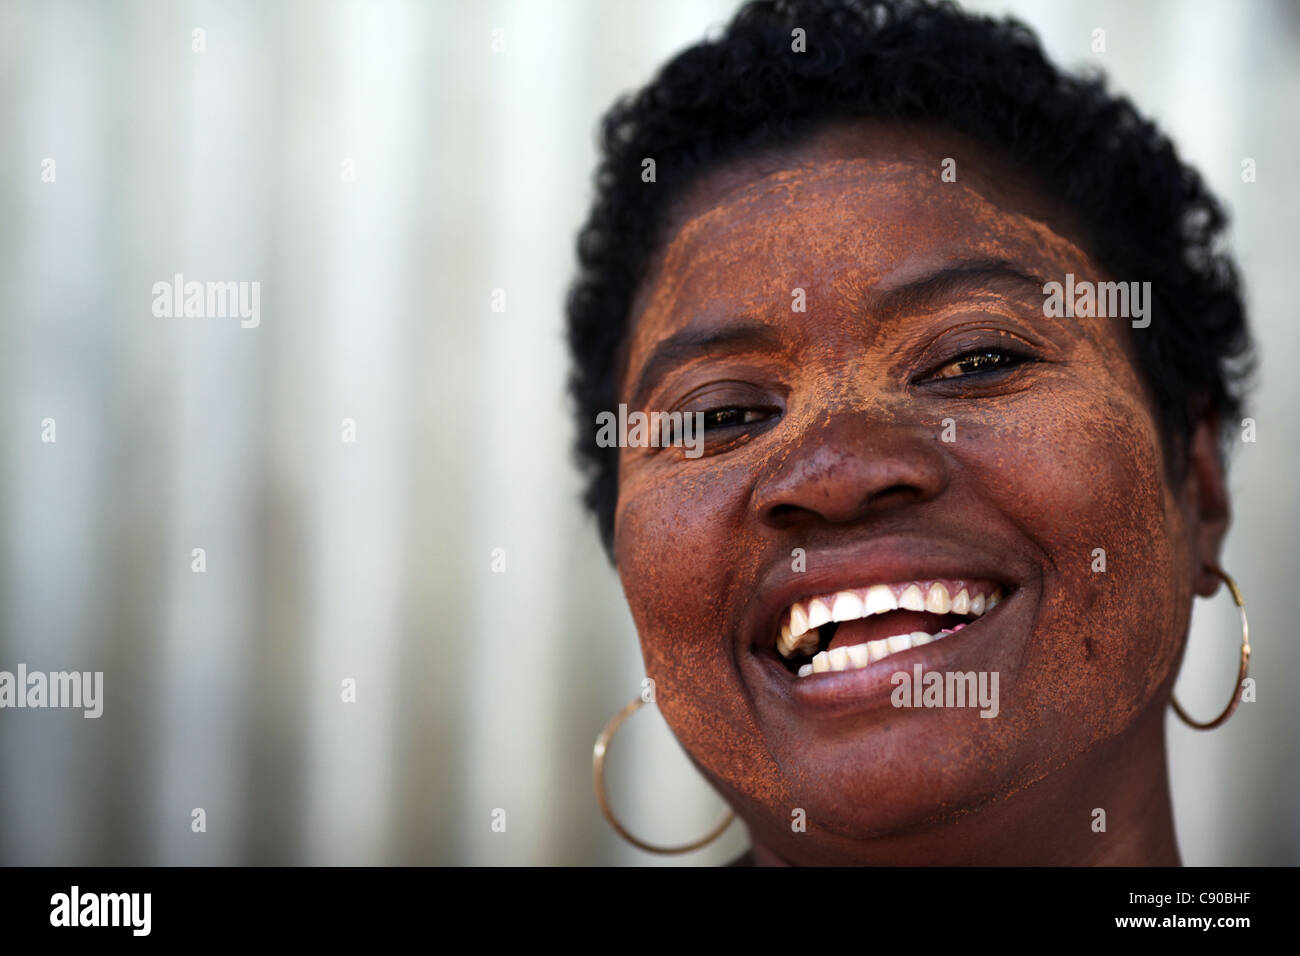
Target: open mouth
(851, 629)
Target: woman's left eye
(979, 362)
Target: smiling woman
(914, 472)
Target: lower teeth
(858, 656)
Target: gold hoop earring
(598, 775)
(1241, 672)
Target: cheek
(1084, 478)
(666, 545)
(678, 549)
(675, 558)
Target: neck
(1051, 822)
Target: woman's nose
(850, 466)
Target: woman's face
(855, 442)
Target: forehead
(852, 209)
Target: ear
(1206, 504)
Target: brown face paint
(1053, 459)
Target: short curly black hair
(1142, 210)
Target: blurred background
(387, 172)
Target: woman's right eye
(732, 417)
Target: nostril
(782, 513)
(844, 469)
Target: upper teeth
(799, 624)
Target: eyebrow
(915, 294)
(685, 344)
(972, 275)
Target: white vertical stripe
(356, 524)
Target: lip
(841, 692)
